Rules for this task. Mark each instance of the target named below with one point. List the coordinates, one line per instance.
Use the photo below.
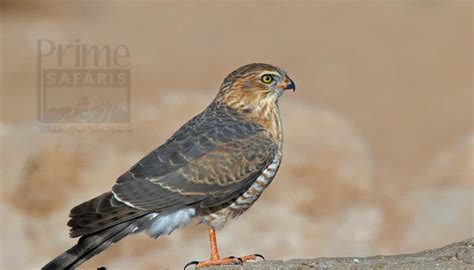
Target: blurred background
(379, 145)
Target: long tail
(103, 220)
(100, 222)
(90, 245)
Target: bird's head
(254, 85)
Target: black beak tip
(291, 85)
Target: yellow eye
(267, 78)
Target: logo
(81, 83)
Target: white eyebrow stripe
(270, 72)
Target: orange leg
(213, 241)
(215, 258)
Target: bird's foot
(224, 261)
(251, 257)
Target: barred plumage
(214, 167)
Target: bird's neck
(268, 116)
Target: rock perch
(458, 255)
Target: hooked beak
(287, 84)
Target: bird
(212, 169)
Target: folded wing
(209, 161)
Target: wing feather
(211, 159)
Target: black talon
(191, 263)
(260, 256)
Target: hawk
(211, 169)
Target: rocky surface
(458, 255)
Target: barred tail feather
(91, 245)
(103, 221)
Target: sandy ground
(379, 144)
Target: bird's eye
(267, 78)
